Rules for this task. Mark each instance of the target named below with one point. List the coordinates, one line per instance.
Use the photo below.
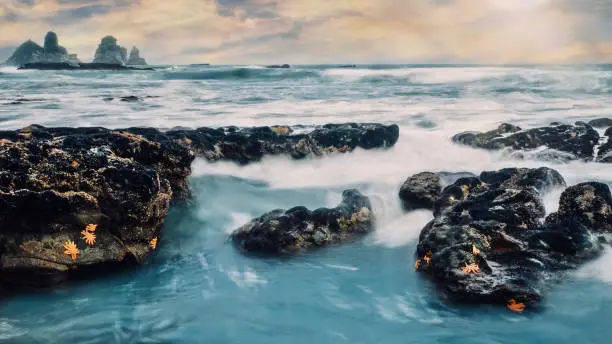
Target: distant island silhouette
(108, 55)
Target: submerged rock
(578, 140)
(135, 59)
(110, 52)
(298, 229)
(489, 241)
(282, 66)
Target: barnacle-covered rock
(288, 231)
(496, 226)
(577, 141)
(54, 182)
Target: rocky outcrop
(246, 145)
(423, 189)
(490, 241)
(118, 182)
(559, 141)
(52, 52)
(117, 185)
(109, 52)
(135, 59)
(26, 52)
(299, 229)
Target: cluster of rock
(490, 241)
(54, 56)
(121, 182)
(559, 142)
(51, 52)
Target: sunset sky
(321, 31)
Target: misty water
(198, 289)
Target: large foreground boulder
(558, 141)
(298, 229)
(490, 241)
(73, 200)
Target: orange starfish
(417, 264)
(89, 237)
(516, 307)
(71, 249)
(427, 259)
(475, 250)
(91, 227)
(470, 269)
(153, 243)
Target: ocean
(198, 289)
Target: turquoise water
(198, 289)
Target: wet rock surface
(56, 182)
(491, 243)
(421, 190)
(281, 232)
(558, 141)
(246, 145)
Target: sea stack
(51, 52)
(109, 52)
(135, 59)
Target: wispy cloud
(323, 31)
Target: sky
(321, 31)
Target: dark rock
(130, 99)
(299, 229)
(579, 140)
(135, 59)
(420, 191)
(123, 180)
(499, 227)
(587, 203)
(543, 179)
(72, 177)
(78, 66)
(283, 66)
(601, 123)
(109, 52)
(245, 145)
